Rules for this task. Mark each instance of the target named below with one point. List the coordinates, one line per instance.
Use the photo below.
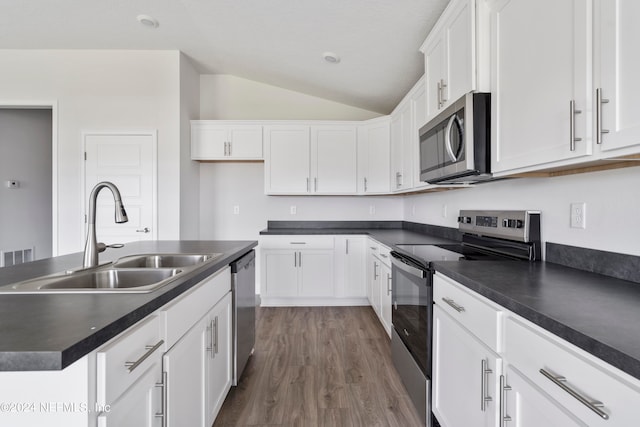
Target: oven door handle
(407, 268)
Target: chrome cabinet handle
(504, 388)
(384, 255)
(599, 101)
(150, 349)
(365, 184)
(215, 336)
(398, 180)
(439, 95)
(452, 303)
(560, 381)
(346, 246)
(375, 270)
(572, 125)
(144, 230)
(229, 147)
(315, 184)
(484, 387)
(388, 284)
(442, 86)
(210, 328)
(163, 412)
(297, 243)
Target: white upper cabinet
(402, 149)
(318, 159)
(450, 55)
(540, 84)
(287, 167)
(334, 159)
(216, 140)
(373, 156)
(617, 67)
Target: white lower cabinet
(379, 282)
(140, 405)
(546, 380)
(465, 376)
(198, 369)
(304, 270)
(525, 405)
(129, 377)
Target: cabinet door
(375, 287)
(385, 298)
(287, 167)
(218, 368)
(465, 376)
(619, 67)
(434, 68)
(139, 405)
(208, 141)
(316, 273)
(280, 273)
(184, 365)
(350, 267)
(460, 65)
(527, 406)
(334, 159)
(373, 158)
(245, 142)
(402, 148)
(536, 71)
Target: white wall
(612, 198)
(25, 156)
(224, 185)
(101, 90)
(189, 170)
(227, 97)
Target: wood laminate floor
(319, 366)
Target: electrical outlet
(372, 210)
(292, 210)
(578, 215)
(444, 211)
(413, 210)
(236, 210)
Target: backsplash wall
(612, 206)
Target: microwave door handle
(447, 138)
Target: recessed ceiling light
(331, 57)
(147, 21)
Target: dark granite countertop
(50, 332)
(595, 312)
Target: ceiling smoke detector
(331, 57)
(147, 21)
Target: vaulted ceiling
(278, 42)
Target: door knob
(144, 230)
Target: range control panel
(523, 226)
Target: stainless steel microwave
(455, 145)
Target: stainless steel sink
(107, 280)
(163, 260)
(131, 274)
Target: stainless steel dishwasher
(243, 288)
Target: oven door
(412, 314)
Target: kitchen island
(120, 359)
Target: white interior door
(129, 161)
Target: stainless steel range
(486, 235)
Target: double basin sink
(130, 274)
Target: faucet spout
(91, 246)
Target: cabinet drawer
(474, 312)
(383, 255)
(141, 345)
(530, 349)
(296, 242)
(183, 312)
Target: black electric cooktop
(425, 254)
